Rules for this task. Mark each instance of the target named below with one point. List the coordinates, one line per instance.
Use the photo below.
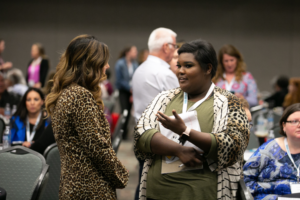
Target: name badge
(295, 188)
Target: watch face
(183, 139)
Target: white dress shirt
(151, 77)
(18, 89)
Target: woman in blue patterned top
(269, 171)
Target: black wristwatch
(185, 136)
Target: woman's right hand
(26, 144)
(190, 157)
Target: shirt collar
(158, 60)
(37, 61)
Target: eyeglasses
(174, 45)
(293, 122)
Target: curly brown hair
(82, 63)
(293, 96)
(241, 65)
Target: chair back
(2, 128)
(52, 157)
(242, 192)
(22, 173)
(118, 132)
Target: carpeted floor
(127, 157)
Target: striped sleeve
(148, 119)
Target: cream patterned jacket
(231, 129)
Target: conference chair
(119, 130)
(52, 157)
(242, 192)
(23, 173)
(2, 128)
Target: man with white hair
(154, 75)
(15, 82)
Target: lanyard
(228, 86)
(198, 103)
(28, 135)
(291, 158)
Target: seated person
(293, 95)
(15, 82)
(281, 90)
(269, 171)
(6, 97)
(28, 123)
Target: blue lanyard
(291, 158)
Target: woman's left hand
(26, 144)
(175, 124)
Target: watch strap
(187, 131)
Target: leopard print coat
(89, 166)
(231, 129)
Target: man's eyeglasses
(293, 122)
(174, 45)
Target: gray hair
(16, 76)
(159, 37)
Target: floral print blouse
(269, 171)
(247, 87)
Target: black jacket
(11, 98)
(45, 140)
(277, 99)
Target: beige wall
(266, 32)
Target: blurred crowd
(231, 75)
(140, 76)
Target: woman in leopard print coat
(89, 166)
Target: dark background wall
(266, 32)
